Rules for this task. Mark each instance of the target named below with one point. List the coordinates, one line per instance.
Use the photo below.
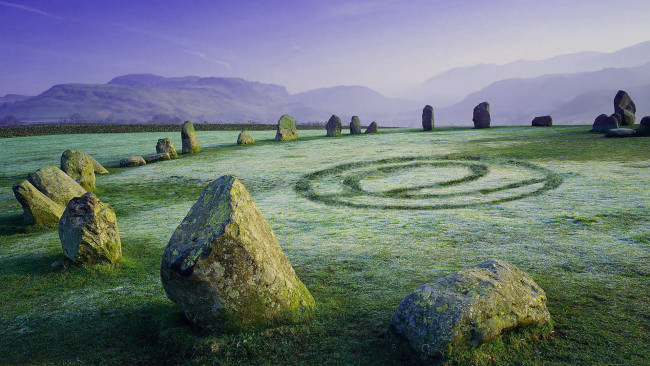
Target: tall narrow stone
(333, 126)
(190, 141)
(624, 107)
(355, 125)
(427, 118)
(287, 130)
(481, 116)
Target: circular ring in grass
(426, 183)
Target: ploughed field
(364, 220)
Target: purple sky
(387, 45)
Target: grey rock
(132, 161)
(481, 116)
(287, 130)
(37, 208)
(163, 156)
(55, 184)
(372, 128)
(333, 126)
(427, 118)
(189, 139)
(355, 125)
(166, 145)
(603, 123)
(543, 121)
(245, 138)
(79, 166)
(620, 132)
(624, 107)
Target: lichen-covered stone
(481, 116)
(355, 125)
(99, 168)
(620, 132)
(427, 118)
(166, 145)
(163, 156)
(333, 126)
(37, 207)
(132, 161)
(245, 138)
(372, 128)
(543, 121)
(55, 184)
(468, 308)
(79, 166)
(603, 123)
(189, 139)
(224, 266)
(286, 129)
(624, 107)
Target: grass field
(364, 220)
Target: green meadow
(364, 220)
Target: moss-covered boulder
(224, 266)
(372, 128)
(79, 166)
(542, 121)
(287, 130)
(624, 107)
(355, 125)
(427, 118)
(55, 184)
(189, 139)
(481, 115)
(245, 138)
(166, 145)
(99, 168)
(88, 231)
(131, 161)
(37, 207)
(163, 156)
(333, 126)
(468, 308)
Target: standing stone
(427, 118)
(55, 184)
(372, 128)
(482, 115)
(245, 138)
(190, 141)
(132, 161)
(624, 107)
(603, 123)
(224, 266)
(79, 167)
(468, 308)
(333, 126)
(37, 208)
(355, 125)
(166, 145)
(543, 121)
(88, 231)
(286, 129)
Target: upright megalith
(542, 121)
(333, 126)
(372, 128)
(481, 116)
(624, 107)
(604, 123)
(287, 130)
(355, 125)
(55, 184)
(189, 139)
(79, 167)
(224, 266)
(468, 308)
(166, 145)
(245, 138)
(427, 118)
(37, 208)
(88, 231)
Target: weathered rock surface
(286, 129)
(166, 145)
(224, 266)
(245, 138)
(427, 118)
(481, 116)
(624, 107)
(603, 123)
(79, 167)
(99, 168)
(372, 128)
(543, 121)
(644, 127)
(468, 308)
(355, 125)
(88, 231)
(163, 156)
(620, 132)
(132, 161)
(55, 184)
(333, 126)
(37, 207)
(189, 140)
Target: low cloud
(31, 10)
(207, 58)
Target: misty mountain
(453, 85)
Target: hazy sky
(383, 44)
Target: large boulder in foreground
(79, 166)
(37, 208)
(481, 116)
(189, 140)
(542, 121)
(55, 184)
(355, 125)
(427, 118)
(333, 126)
(131, 161)
(224, 266)
(166, 145)
(245, 138)
(603, 123)
(287, 130)
(372, 128)
(624, 107)
(468, 308)
(88, 231)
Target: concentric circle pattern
(426, 183)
